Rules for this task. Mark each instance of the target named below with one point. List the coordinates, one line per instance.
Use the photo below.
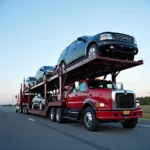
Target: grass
(146, 111)
(10, 106)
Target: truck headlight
(137, 104)
(100, 104)
(106, 36)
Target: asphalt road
(21, 132)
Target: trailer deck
(90, 68)
(95, 66)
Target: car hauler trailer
(93, 101)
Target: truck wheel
(53, 114)
(59, 115)
(129, 124)
(20, 109)
(89, 119)
(25, 110)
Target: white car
(38, 101)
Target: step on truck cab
(98, 101)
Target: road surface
(31, 132)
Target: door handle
(90, 94)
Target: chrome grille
(125, 100)
(123, 37)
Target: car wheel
(129, 124)
(59, 115)
(131, 58)
(89, 119)
(53, 114)
(92, 50)
(40, 106)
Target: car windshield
(101, 84)
(48, 68)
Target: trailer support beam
(114, 75)
(29, 98)
(45, 93)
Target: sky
(33, 33)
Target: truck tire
(129, 124)
(25, 110)
(89, 119)
(53, 114)
(21, 109)
(59, 115)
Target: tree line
(144, 100)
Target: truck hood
(122, 91)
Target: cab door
(70, 101)
(81, 95)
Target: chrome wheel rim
(52, 116)
(92, 51)
(57, 116)
(88, 119)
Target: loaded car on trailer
(106, 44)
(86, 98)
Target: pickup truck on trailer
(83, 97)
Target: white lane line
(31, 119)
(142, 125)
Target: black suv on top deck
(107, 44)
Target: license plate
(126, 112)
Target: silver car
(38, 101)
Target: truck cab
(101, 100)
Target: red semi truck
(83, 97)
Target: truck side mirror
(120, 86)
(77, 86)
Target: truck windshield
(101, 84)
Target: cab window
(72, 89)
(82, 87)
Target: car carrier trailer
(92, 106)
